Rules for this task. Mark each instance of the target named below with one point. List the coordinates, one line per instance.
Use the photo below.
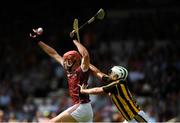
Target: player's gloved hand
(36, 34)
(73, 35)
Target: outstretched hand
(82, 87)
(36, 34)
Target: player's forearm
(96, 90)
(96, 71)
(47, 49)
(82, 50)
(85, 61)
(51, 52)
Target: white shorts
(82, 112)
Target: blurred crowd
(33, 86)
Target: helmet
(71, 60)
(74, 53)
(120, 71)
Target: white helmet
(120, 71)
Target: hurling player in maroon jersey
(76, 67)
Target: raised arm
(85, 55)
(51, 52)
(36, 35)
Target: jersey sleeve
(106, 79)
(110, 88)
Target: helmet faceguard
(120, 72)
(71, 59)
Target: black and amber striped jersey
(122, 98)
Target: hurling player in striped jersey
(118, 90)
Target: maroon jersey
(75, 78)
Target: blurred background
(141, 35)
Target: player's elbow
(86, 60)
(85, 63)
(85, 54)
